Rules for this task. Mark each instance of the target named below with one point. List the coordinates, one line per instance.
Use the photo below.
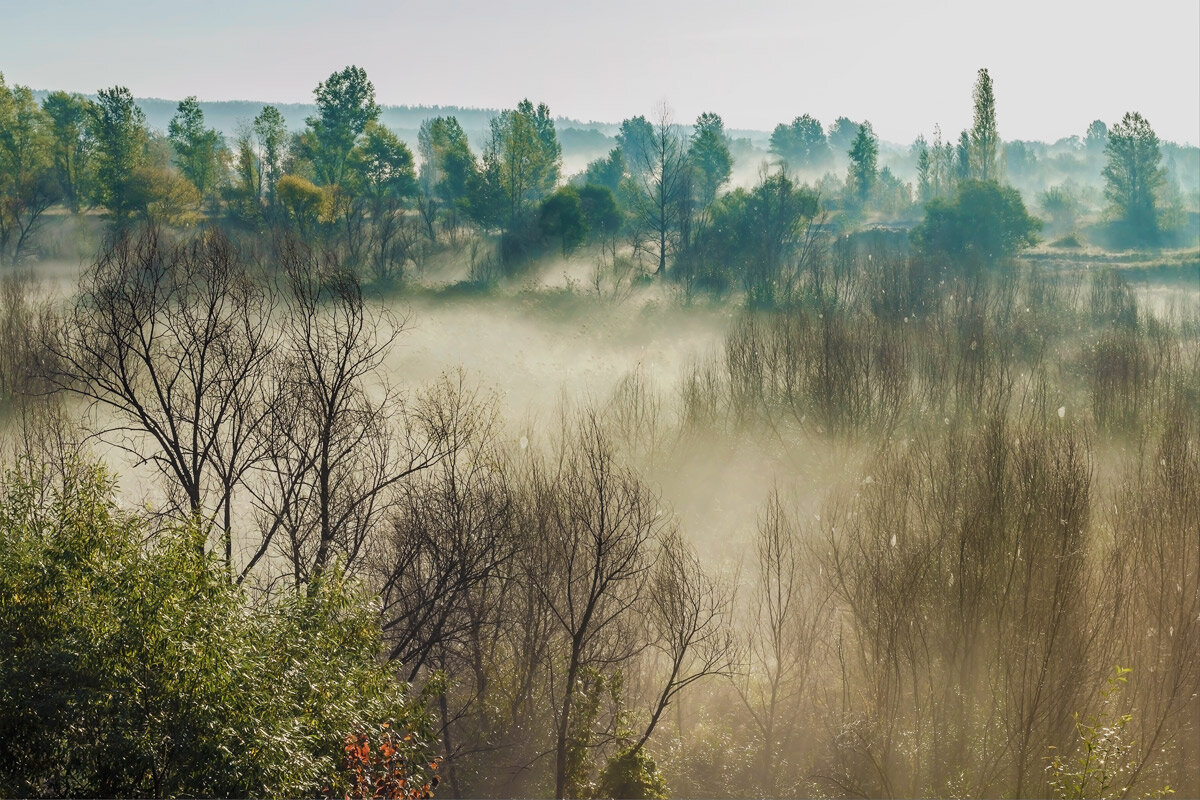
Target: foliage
(802, 144)
(384, 773)
(983, 222)
(28, 184)
(562, 217)
(303, 201)
(752, 240)
(197, 148)
(521, 164)
(708, 153)
(270, 134)
(70, 146)
(607, 171)
(345, 106)
(985, 140)
(1104, 758)
(1133, 177)
(864, 165)
(448, 168)
(631, 773)
(842, 134)
(381, 166)
(118, 128)
(133, 667)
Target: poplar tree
(985, 140)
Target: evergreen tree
(864, 164)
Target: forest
(490, 454)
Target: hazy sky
(905, 66)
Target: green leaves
(138, 669)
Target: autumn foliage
(387, 771)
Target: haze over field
(823, 421)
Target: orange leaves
(389, 771)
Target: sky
(1056, 66)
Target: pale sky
(1056, 65)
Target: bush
(134, 669)
(631, 773)
(984, 222)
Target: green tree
(864, 164)
(302, 201)
(70, 145)
(345, 106)
(383, 177)
(562, 217)
(802, 144)
(659, 188)
(601, 213)
(708, 153)
(197, 148)
(27, 181)
(448, 166)
(1133, 178)
(132, 666)
(607, 171)
(635, 138)
(522, 159)
(118, 128)
(271, 136)
(1096, 137)
(842, 134)
(245, 190)
(985, 140)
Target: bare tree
(345, 440)
(175, 341)
(660, 167)
(789, 610)
(688, 623)
(597, 525)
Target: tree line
(355, 185)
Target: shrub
(130, 668)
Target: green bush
(984, 222)
(131, 666)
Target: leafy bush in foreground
(135, 669)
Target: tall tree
(1133, 177)
(864, 164)
(197, 148)
(447, 165)
(522, 159)
(985, 140)
(270, 133)
(658, 165)
(345, 106)
(27, 184)
(70, 145)
(708, 153)
(118, 128)
(608, 171)
(634, 140)
(382, 175)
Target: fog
(641, 460)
